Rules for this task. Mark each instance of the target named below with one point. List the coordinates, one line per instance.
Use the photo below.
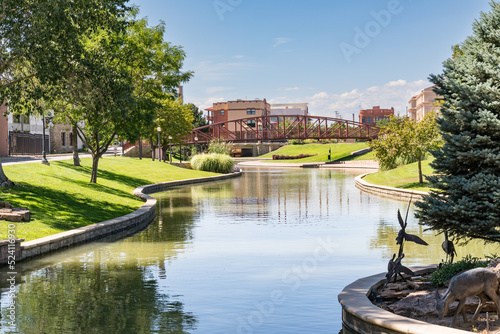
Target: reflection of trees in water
(97, 297)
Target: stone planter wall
(395, 193)
(360, 316)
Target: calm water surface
(265, 253)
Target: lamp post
(170, 149)
(44, 155)
(159, 144)
(195, 147)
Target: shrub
(310, 141)
(295, 142)
(220, 147)
(446, 271)
(213, 162)
(290, 157)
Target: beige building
(423, 103)
(232, 110)
(290, 109)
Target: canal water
(264, 253)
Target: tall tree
(466, 199)
(45, 35)
(404, 139)
(155, 68)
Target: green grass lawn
(61, 198)
(339, 151)
(405, 177)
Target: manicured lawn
(402, 177)
(61, 198)
(339, 151)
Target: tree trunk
(140, 148)
(420, 176)
(74, 139)
(153, 153)
(95, 163)
(4, 180)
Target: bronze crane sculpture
(448, 248)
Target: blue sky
(336, 55)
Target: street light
(159, 144)
(44, 154)
(170, 149)
(195, 147)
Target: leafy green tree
(198, 117)
(466, 199)
(404, 139)
(40, 39)
(155, 67)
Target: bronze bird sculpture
(402, 235)
(448, 248)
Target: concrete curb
(361, 316)
(140, 217)
(391, 192)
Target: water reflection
(264, 253)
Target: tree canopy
(466, 199)
(403, 140)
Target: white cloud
(290, 88)
(281, 40)
(220, 71)
(392, 94)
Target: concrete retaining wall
(142, 216)
(360, 316)
(395, 193)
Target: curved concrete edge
(142, 216)
(392, 192)
(361, 316)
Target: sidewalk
(26, 159)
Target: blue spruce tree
(466, 199)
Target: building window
(251, 123)
(63, 138)
(250, 111)
(368, 119)
(363, 120)
(222, 112)
(70, 139)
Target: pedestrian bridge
(281, 128)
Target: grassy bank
(405, 177)
(320, 152)
(61, 198)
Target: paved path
(23, 159)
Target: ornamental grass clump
(213, 162)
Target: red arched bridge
(280, 128)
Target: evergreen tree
(466, 199)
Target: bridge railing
(281, 128)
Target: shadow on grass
(130, 181)
(59, 210)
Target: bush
(310, 141)
(295, 142)
(213, 162)
(290, 157)
(446, 271)
(220, 147)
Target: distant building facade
(423, 103)
(231, 110)
(290, 109)
(372, 116)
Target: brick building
(232, 110)
(372, 116)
